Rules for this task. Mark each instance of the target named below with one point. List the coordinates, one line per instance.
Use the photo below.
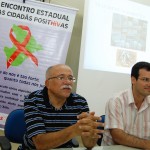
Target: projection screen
(116, 34)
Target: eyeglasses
(144, 79)
(62, 78)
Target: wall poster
(34, 36)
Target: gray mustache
(66, 86)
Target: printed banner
(34, 36)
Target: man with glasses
(55, 115)
(128, 113)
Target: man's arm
(122, 138)
(54, 139)
(86, 127)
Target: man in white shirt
(128, 113)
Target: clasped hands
(88, 125)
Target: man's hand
(88, 124)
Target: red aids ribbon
(21, 47)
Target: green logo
(24, 45)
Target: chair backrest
(15, 126)
(101, 128)
(102, 118)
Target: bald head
(56, 70)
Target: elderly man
(128, 113)
(54, 115)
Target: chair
(4, 143)
(15, 128)
(101, 128)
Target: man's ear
(46, 83)
(133, 80)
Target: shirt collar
(131, 98)
(45, 96)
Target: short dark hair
(138, 66)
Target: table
(114, 147)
